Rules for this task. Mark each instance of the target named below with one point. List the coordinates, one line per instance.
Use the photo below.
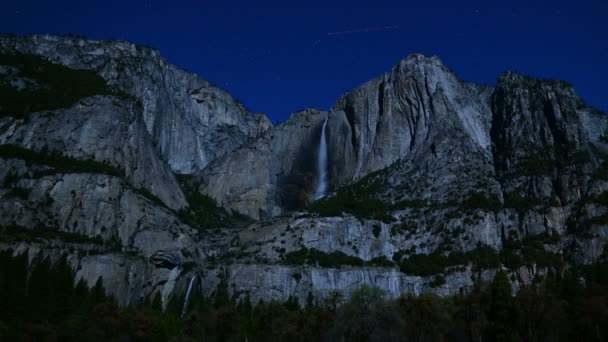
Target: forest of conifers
(40, 301)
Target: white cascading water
(187, 296)
(321, 189)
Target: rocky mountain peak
(61, 49)
(191, 121)
(420, 66)
(515, 80)
(306, 115)
(421, 59)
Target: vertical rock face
(104, 129)
(550, 154)
(133, 207)
(274, 174)
(544, 139)
(410, 111)
(418, 112)
(191, 121)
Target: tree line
(41, 301)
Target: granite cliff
(434, 182)
(190, 121)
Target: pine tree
(98, 293)
(39, 294)
(14, 306)
(157, 302)
(334, 300)
(82, 297)
(310, 301)
(221, 294)
(62, 285)
(292, 304)
(5, 260)
(245, 307)
(501, 307)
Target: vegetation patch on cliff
(530, 251)
(537, 162)
(482, 257)
(61, 164)
(58, 162)
(477, 200)
(29, 83)
(203, 212)
(315, 257)
(521, 203)
(14, 233)
(359, 199)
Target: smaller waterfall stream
(187, 296)
(321, 189)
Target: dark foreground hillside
(40, 303)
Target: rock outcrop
(272, 175)
(104, 129)
(191, 122)
(417, 110)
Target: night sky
(279, 57)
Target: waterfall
(187, 296)
(322, 165)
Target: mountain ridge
(162, 88)
(429, 176)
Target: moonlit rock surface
(429, 145)
(271, 175)
(191, 121)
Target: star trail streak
(363, 30)
(321, 49)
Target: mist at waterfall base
(321, 188)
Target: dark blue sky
(278, 57)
